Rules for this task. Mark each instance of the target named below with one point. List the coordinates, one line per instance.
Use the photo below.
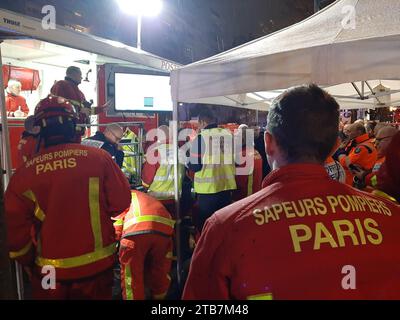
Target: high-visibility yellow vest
(218, 171)
(131, 163)
(163, 187)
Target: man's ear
(270, 144)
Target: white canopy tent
(326, 49)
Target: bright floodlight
(141, 7)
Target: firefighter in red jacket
(145, 232)
(248, 165)
(304, 236)
(59, 207)
(68, 89)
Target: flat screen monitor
(142, 92)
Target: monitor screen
(142, 92)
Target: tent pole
(7, 287)
(4, 124)
(317, 4)
(175, 127)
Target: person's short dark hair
(206, 115)
(304, 121)
(72, 69)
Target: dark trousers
(209, 203)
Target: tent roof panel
(322, 49)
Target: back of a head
(370, 126)
(14, 87)
(304, 121)
(378, 127)
(359, 127)
(387, 131)
(114, 127)
(72, 70)
(206, 115)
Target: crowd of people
(275, 214)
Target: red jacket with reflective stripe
(68, 194)
(297, 239)
(145, 215)
(246, 183)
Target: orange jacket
(14, 102)
(364, 154)
(145, 215)
(67, 194)
(295, 239)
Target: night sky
(185, 31)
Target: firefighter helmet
(56, 108)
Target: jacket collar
(71, 80)
(211, 126)
(362, 138)
(297, 171)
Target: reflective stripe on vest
(384, 195)
(99, 252)
(263, 296)
(38, 211)
(374, 181)
(77, 104)
(218, 170)
(80, 260)
(250, 184)
(22, 252)
(131, 162)
(128, 282)
(135, 222)
(163, 185)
